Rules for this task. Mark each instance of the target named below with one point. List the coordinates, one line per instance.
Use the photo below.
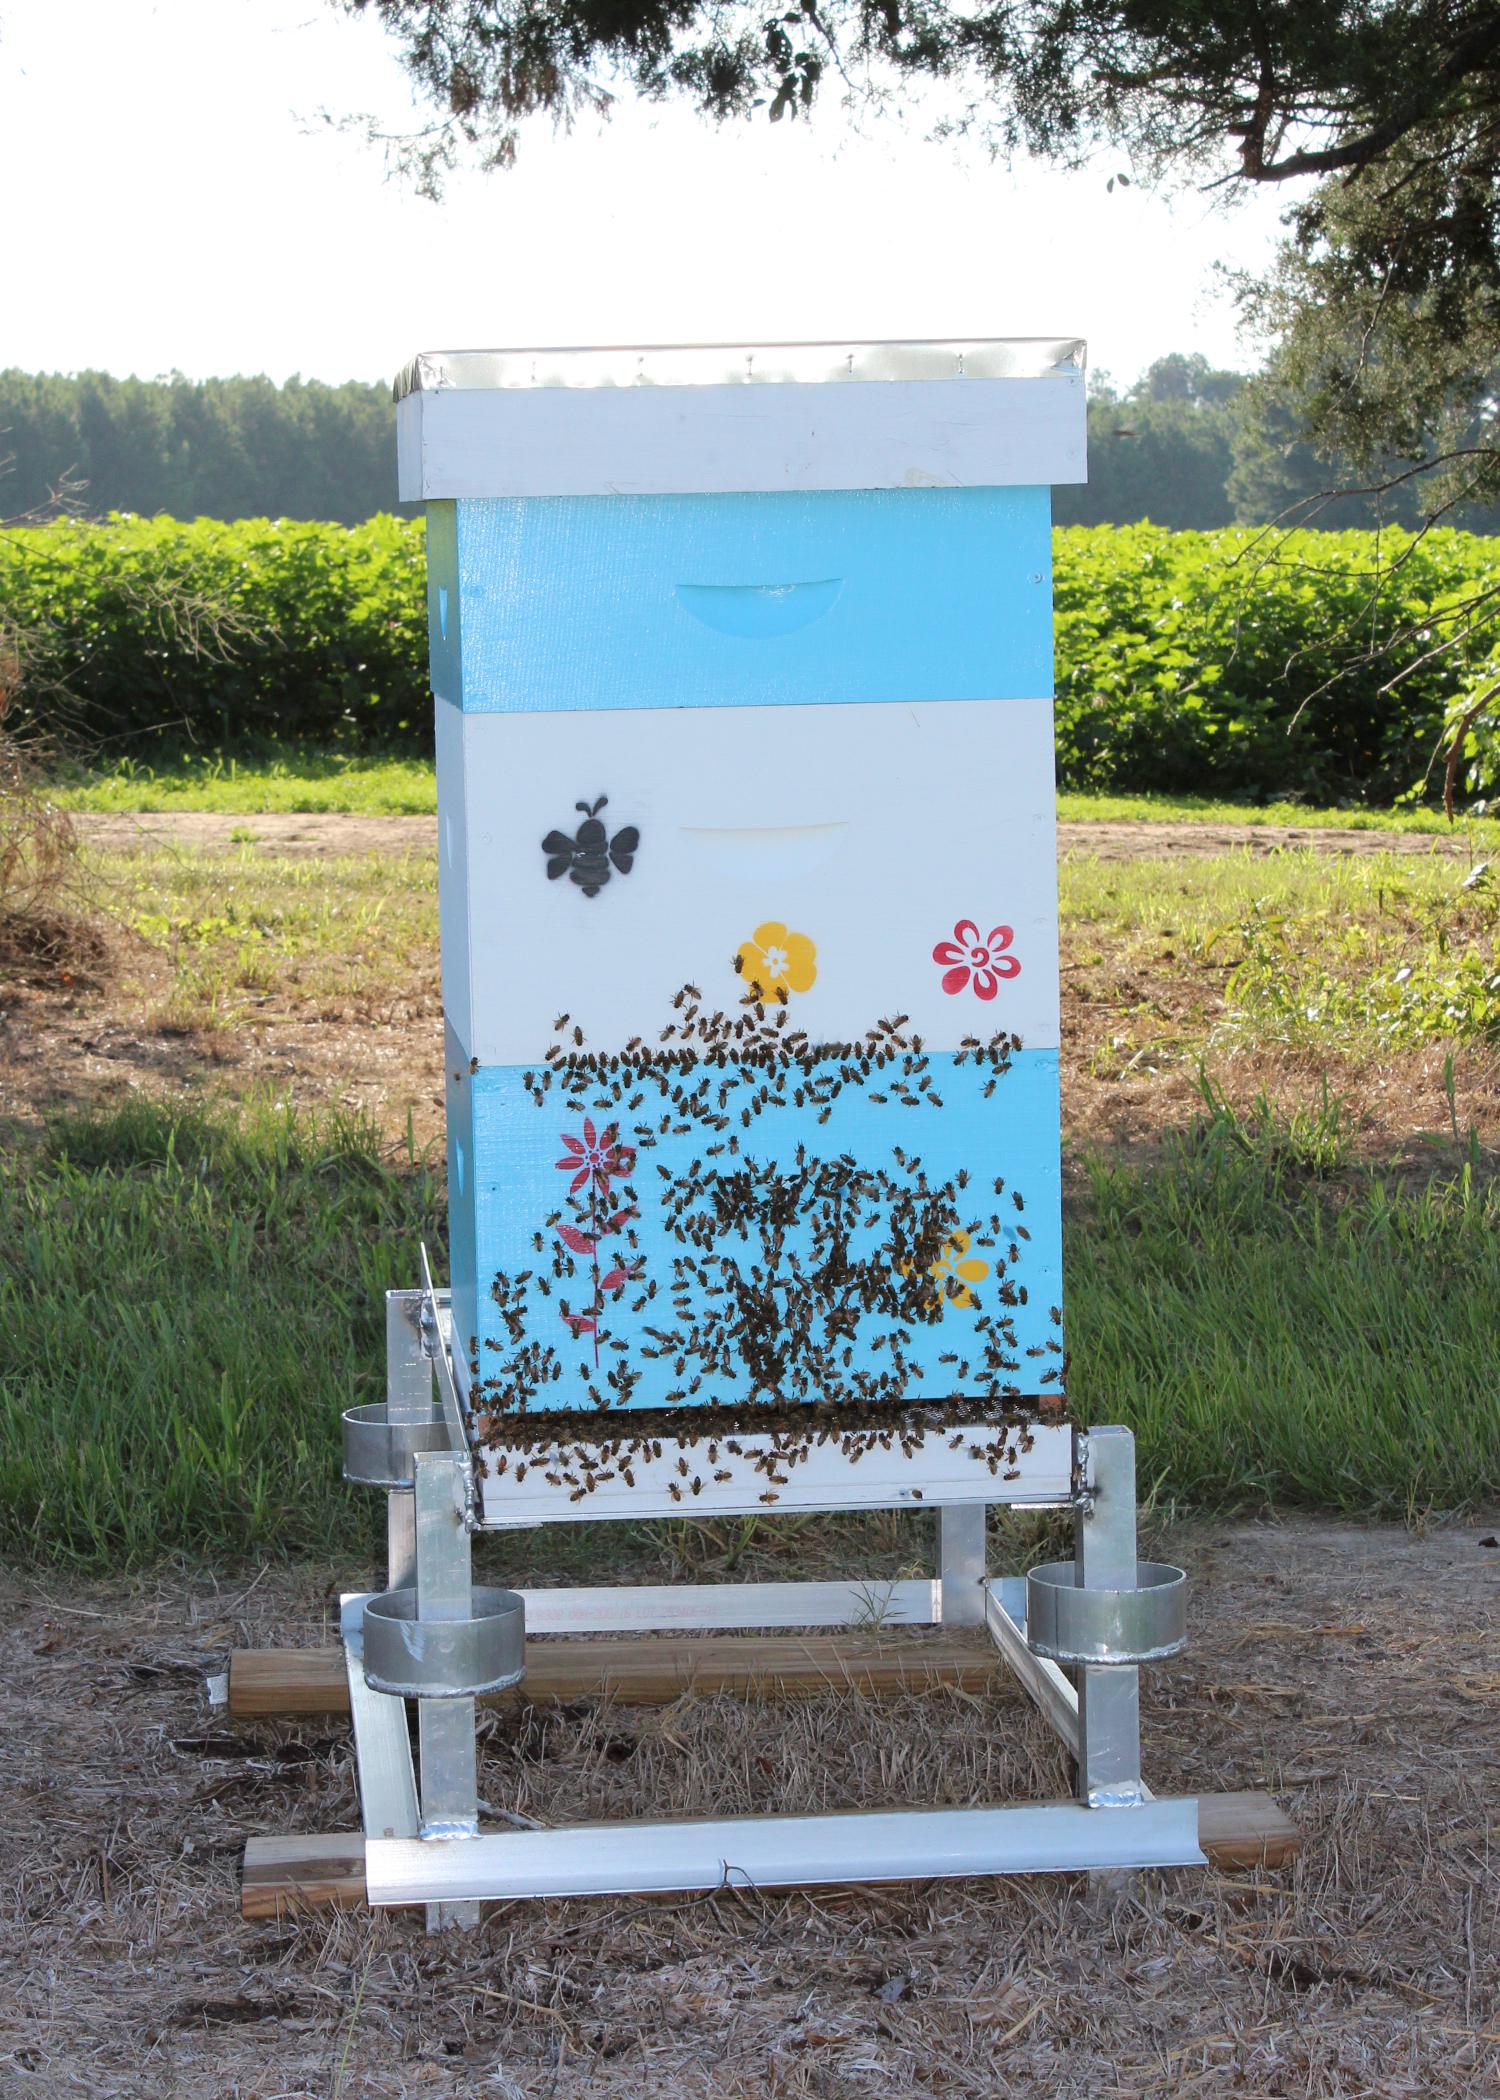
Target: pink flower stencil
(966, 956)
(594, 1159)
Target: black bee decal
(589, 857)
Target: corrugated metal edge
(730, 364)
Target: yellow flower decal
(955, 1269)
(775, 962)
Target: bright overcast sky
(174, 202)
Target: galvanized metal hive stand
(435, 1638)
(1073, 1634)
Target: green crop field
(1248, 666)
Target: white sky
(172, 201)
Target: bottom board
(1028, 1466)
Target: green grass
(1340, 955)
(1191, 899)
(328, 935)
(191, 1296)
(300, 781)
(189, 1299)
(1277, 1337)
(1483, 831)
(297, 781)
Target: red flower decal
(594, 1159)
(985, 960)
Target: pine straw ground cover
(1350, 1670)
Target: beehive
(743, 672)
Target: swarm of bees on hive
(745, 1300)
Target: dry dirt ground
(285, 834)
(1350, 1671)
(77, 1037)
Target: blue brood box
(743, 670)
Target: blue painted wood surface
(739, 600)
(556, 1200)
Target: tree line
(1186, 446)
(1196, 448)
(197, 448)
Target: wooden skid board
(1246, 1830)
(328, 1872)
(649, 1670)
(315, 1872)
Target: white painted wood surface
(871, 831)
(933, 1473)
(686, 440)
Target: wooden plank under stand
(742, 664)
(649, 1670)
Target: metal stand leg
(1109, 1698)
(408, 1398)
(961, 1563)
(449, 1753)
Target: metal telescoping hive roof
(730, 364)
(747, 419)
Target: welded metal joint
(1082, 1490)
(427, 1327)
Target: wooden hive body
(747, 870)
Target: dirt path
(326, 834)
(1351, 1671)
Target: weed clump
(46, 928)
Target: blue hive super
(743, 671)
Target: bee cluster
(816, 1284)
(700, 1445)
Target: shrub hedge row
(1229, 662)
(225, 635)
(1255, 665)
